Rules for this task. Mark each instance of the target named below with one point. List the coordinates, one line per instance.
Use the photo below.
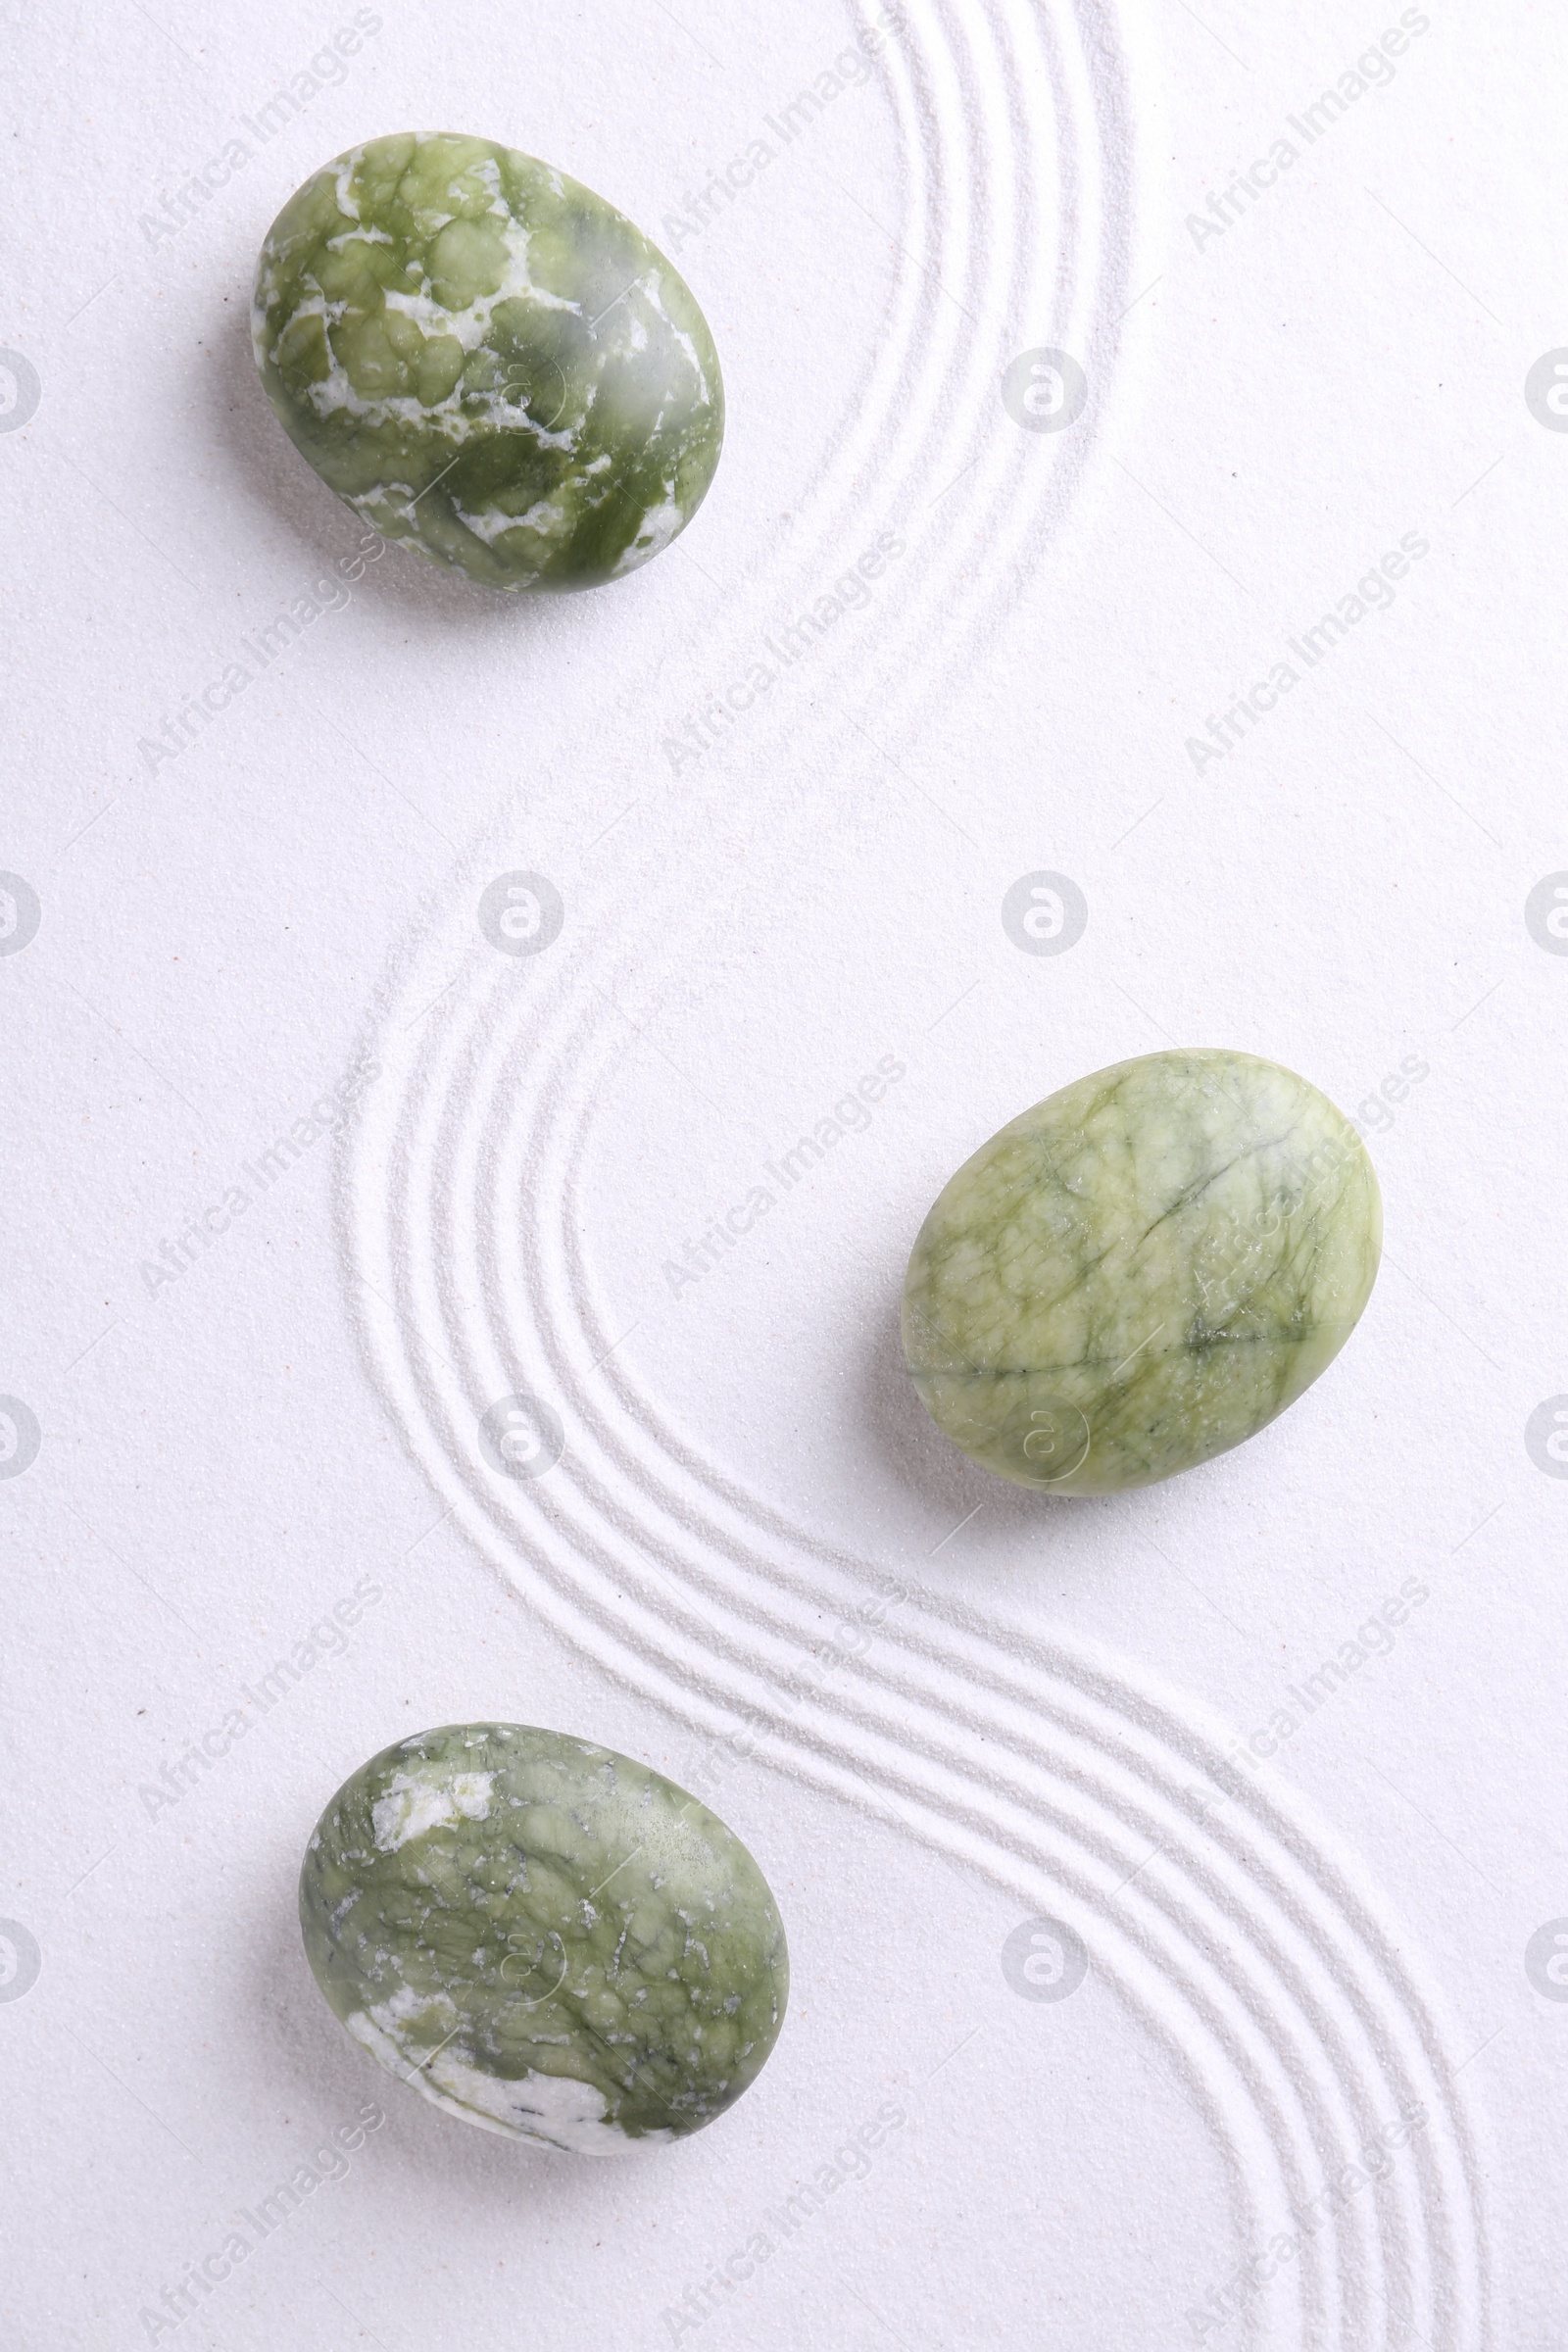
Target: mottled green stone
(543, 1938)
(488, 362)
(1142, 1271)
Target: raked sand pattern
(1228, 1919)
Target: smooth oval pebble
(543, 1938)
(488, 362)
(1142, 1271)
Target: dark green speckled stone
(543, 1938)
(488, 362)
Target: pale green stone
(488, 362)
(543, 1938)
(1142, 1271)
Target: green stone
(543, 1938)
(1142, 1271)
(488, 362)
